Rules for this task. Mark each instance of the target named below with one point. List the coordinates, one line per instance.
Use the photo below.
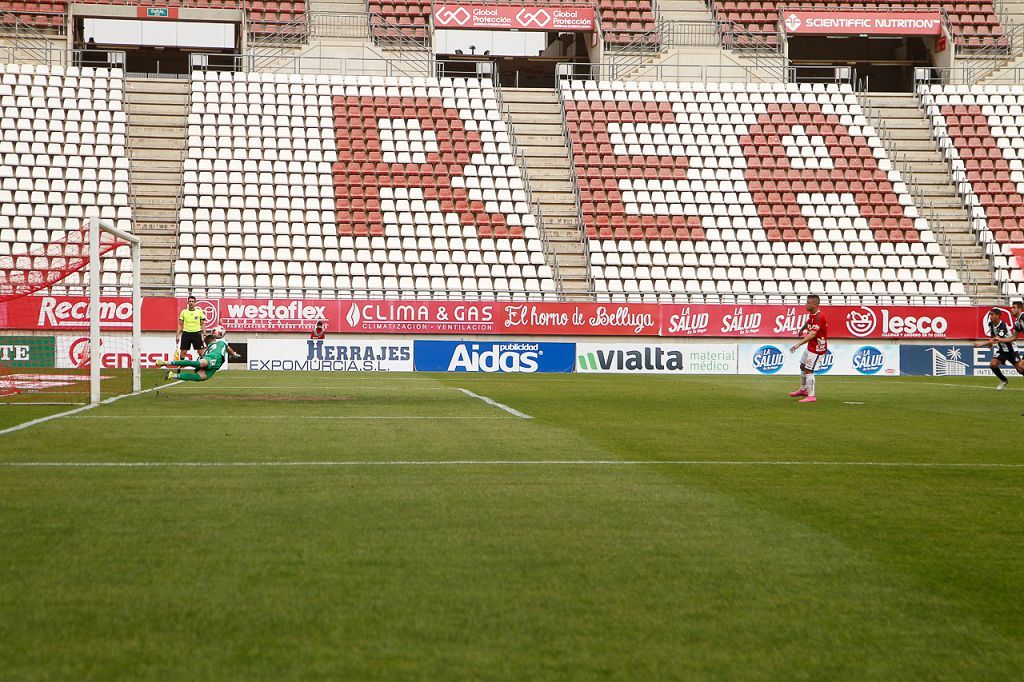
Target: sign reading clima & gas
(650, 358)
(330, 355)
(845, 358)
(494, 356)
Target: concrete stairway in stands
(684, 10)
(912, 145)
(157, 113)
(536, 117)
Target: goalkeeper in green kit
(213, 359)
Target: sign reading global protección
(514, 17)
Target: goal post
(70, 313)
(96, 227)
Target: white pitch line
(514, 463)
(25, 425)
(227, 417)
(495, 403)
(889, 380)
(340, 387)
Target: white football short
(811, 361)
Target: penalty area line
(509, 463)
(234, 417)
(495, 403)
(25, 425)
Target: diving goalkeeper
(213, 359)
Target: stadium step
(157, 113)
(914, 152)
(685, 10)
(536, 118)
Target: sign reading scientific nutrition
(330, 355)
(831, 22)
(649, 358)
(843, 358)
(494, 356)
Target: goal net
(69, 315)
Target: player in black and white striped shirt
(1001, 337)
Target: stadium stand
(720, 191)
(624, 22)
(368, 186)
(979, 131)
(63, 160)
(264, 16)
(975, 23)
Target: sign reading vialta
(799, 22)
(514, 17)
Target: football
(218, 332)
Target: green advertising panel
(27, 351)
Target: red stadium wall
(512, 318)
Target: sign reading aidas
(27, 351)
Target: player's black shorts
(1010, 356)
(190, 340)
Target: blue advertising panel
(945, 360)
(493, 356)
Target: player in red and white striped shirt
(814, 333)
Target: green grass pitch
(393, 527)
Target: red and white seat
(63, 134)
(329, 186)
(701, 192)
(979, 130)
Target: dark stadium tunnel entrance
(880, 64)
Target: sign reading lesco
(831, 22)
(649, 358)
(493, 356)
(330, 355)
(514, 17)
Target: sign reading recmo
(514, 17)
(800, 22)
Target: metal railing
(965, 191)
(313, 62)
(706, 73)
(110, 59)
(279, 48)
(987, 62)
(690, 34)
(922, 201)
(574, 179)
(25, 43)
(524, 169)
